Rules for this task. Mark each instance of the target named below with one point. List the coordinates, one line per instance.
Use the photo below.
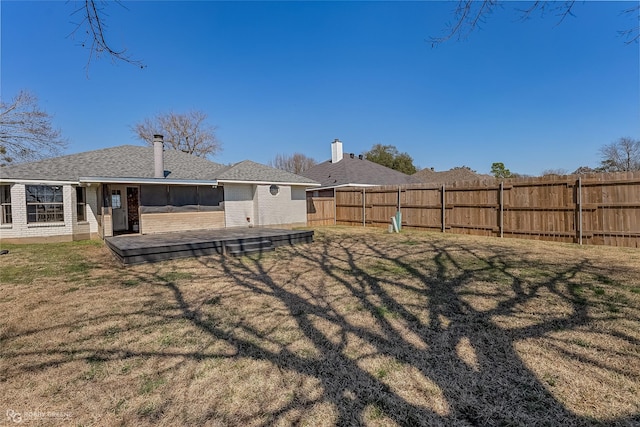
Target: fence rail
(596, 209)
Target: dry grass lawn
(358, 328)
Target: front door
(118, 208)
(133, 217)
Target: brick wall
(19, 231)
(180, 221)
(238, 205)
(287, 207)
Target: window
(5, 203)
(116, 199)
(81, 203)
(274, 190)
(44, 203)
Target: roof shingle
(354, 171)
(137, 162)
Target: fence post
(364, 209)
(443, 209)
(579, 200)
(501, 209)
(335, 207)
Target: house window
(81, 203)
(274, 190)
(116, 199)
(44, 203)
(5, 203)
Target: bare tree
(26, 132)
(92, 28)
(469, 14)
(295, 163)
(621, 155)
(187, 132)
(558, 171)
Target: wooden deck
(137, 249)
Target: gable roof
(132, 162)
(354, 172)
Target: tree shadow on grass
(418, 309)
(499, 390)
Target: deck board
(137, 249)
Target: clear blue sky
(284, 77)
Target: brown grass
(358, 328)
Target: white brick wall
(238, 205)
(20, 229)
(289, 206)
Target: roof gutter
(38, 181)
(293, 184)
(162, 181)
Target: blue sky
(285, 77)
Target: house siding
(22, 232)
(287, 208)
(182, 221)
(238, 205)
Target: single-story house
(350, 170)
(137, 189)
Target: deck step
(249, 246)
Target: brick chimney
(158, 156)
(336, 151)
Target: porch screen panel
(180, 198)
(183, 198)
(210, 198)
(154, 198)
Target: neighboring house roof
(354, 172)
(252, 171)
(447, 177)
(131, 162)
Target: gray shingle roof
(252, 171)
(447, 177)
(125, 161)
(355, 171)
(131, 161)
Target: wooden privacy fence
(598, 209)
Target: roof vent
(361, 157)
(352, 155)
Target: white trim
(162, 181)
(292, 184)
(38, 181)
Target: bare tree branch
(621, 156)
(632, 35)
(26, 132)
(93, 27)
(295, 163)
(470, 13)
(187, 132)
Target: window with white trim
(44, 203)
(5, 204)
(81, 203)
